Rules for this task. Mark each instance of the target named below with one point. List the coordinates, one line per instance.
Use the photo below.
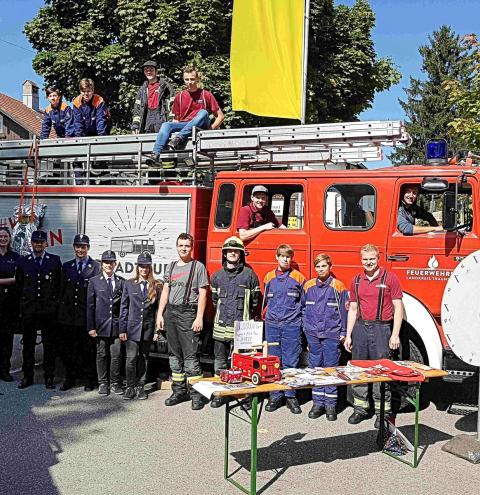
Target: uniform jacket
(72, 309)
(90, 119)
(9, 296)
(284, 297)
(325, 313)
(39, 286)
(137, 313)
(235, 294)
(61, 118)
(103, 308)
(165, 91)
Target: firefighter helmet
(233, 243)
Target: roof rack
(124, 158)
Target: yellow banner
(266, 57)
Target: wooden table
(257, 397)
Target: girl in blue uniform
(9, 301)
(138, 310)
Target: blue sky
(402, 26)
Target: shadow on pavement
(33, 424)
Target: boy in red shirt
(191, 108)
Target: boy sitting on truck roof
(191, 108)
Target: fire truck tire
(255, 379)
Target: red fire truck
(317, 188)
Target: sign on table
(248, 334)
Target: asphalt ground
(76, 443)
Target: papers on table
(207, 389)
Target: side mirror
(449, 211)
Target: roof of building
(24, 116)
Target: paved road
(78, 443)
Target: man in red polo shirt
(373, 327)
(256, 217)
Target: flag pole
(306, 23)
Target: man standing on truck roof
(373, 327)
(257, 216)
(235, 295)
(151, 105)
(183, 299)
(409, 211)
(191, 108)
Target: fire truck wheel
(255, 378)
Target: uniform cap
(233, 243)
(109, 256)
(81, 239)
(259, 189)
(144, 258)
(150, 63)
(39, 236)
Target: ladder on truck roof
(121, 159)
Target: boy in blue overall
(283, 320)
(325, 326)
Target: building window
(350, 207)
(2, 130)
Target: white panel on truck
(60, 221)
(131, 226)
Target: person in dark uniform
(8, 302)
(103, 309)
(38, 281)
(78, 349)
(138, 309)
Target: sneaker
(273, 404)
(316, 411)
(357, 417)
(141, 394)
(129, 393)
(153, 159)
(116, 388)
(217, 402)
(197, 402)
(293, 405)
(331, 414)
(103, 389)
(176, 398)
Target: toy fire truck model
(257, 367)
(231, 376)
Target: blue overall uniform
(284, 297)
(324, 322)
(103, 310)
(9, 308)
(61, 118)
(90, 119)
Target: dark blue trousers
(370, 340)
(288, 350)
(323, 352)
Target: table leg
(227, 438)
(253, 446)
(381, 429)
(416, 403)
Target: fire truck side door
(423, 262)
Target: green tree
(108, 40)
(464, 96)
(427, 106)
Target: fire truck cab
(338, 211)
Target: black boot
(293, 405)
(273, 404)
(6, 376)
(358, 416)
(67, 384)
(176, 398)
(316, 411)
(331, 414)
(218, 402)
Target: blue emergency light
(437, 152)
